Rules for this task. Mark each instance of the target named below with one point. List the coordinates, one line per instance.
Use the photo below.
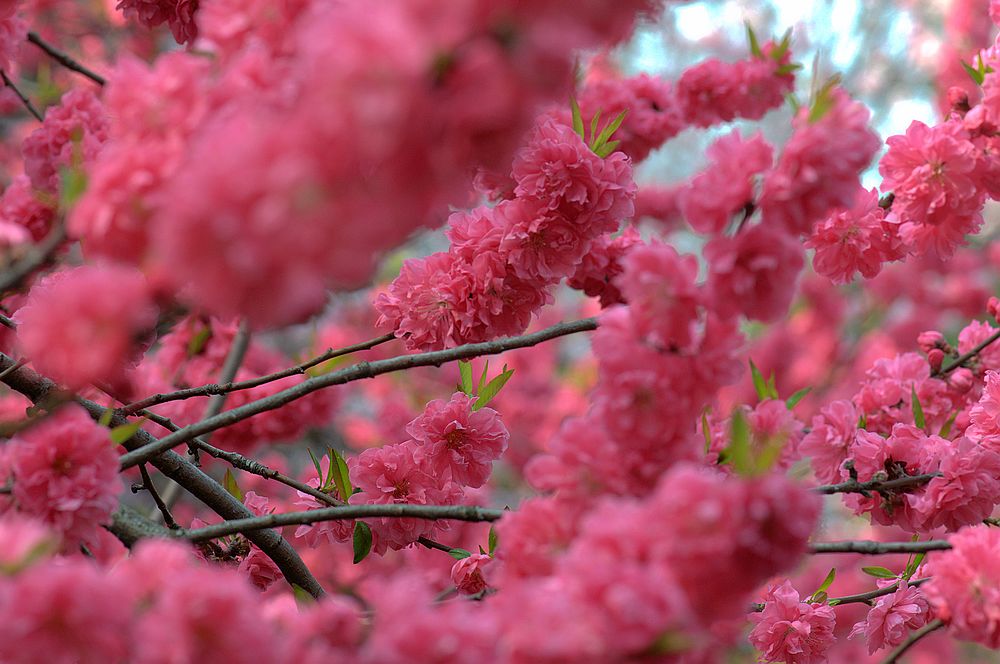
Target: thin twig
(64, 59)
(147, 482)
(878, 548)
(912, 639)
(430, 512)
(356, 372)
(35, 258)
(20, 95)
(7, 489)
(6, 321)
(860, 597)
(962, 359)
(225, 388)
(853, 486)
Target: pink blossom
(467, 573)
(26, 542)
(539, 245)
(985, 415)
(829, 439)
(968, 489)
(13, 34)
(393, 475)
(964, 590)
(753, 273)
(595, 275)
(70, 137)
(659, 285)
(930, 171)
(973, 335)
(726, 186)
(69, 610)
(858, 239)
(179, 15)
(457, 441)
(819, 166)
(892, 617)
(533, 536)
(82, 325)
(28, 208)
(886, 395)
(563, 174)
(66, 474)
(789, 630)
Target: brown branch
(35, 258)
(352, 373)
(878, 548)
(227, 387)
(853, 486)
(912, 639)
(430, 512)
(860, 597)
(64, 59)
(962, 359)
(20, 95)
(147, 482)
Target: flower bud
(961, 380)
(935, 357)
(931, 339)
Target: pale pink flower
(791, 631)
(457, 441)
(467, 573)
(964, 590)
(726, 186)
(753, 273)
(66, 474)
(829, 439)
(930, 171)
(70, 137)
(985, 415)
(26, 541)
(974, 334)
(858, 239)
(892, 618)
(84, 325)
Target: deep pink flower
(70, 137)
(973, 335)
(540, 245)
(829, 439)
(858, 239)
(595, 275)
(968, 490)
(179, 15)
(22, 205)
(930, 171)
(66, 474)
(985, 415)
(83, 325)
(467, 573)
(13, 34)
(726, 186)
(964, 590)
(892, 617)
(457, 441)
(26, 542)
(791, 631)
(754, 273)
(886, 395)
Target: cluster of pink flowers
(13, 30)
(179, 15)
(791, 630)
(892, 617)
(64, 472)
(504, 260)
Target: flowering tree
(219, 438)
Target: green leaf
(362, 541)
(879, 572)
(459, 554)
(782, 48)
(106, 417)
(706, 431)
(754, 44)
(607, 149)
(827, 582)
(73, 184)
(793, 401)
(577, 117)
(198, 341)
(973, 73)
(819, 597)
(862, 421)
(123, 432)
(302, 596)
(918, 410)
(788, 69)
(492, 540)
(493, 388)
(772, 388)
(946, 427)
(759, 384)
(593, 124)
(229, 482)
(794, 102)
(465, 371)
(482, 378)
(341, 476)
(738, 451)
(316, 465)
(610, 129)
(913, 564)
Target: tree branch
(861, 597)
(853, 486)
(227, 387)
(962, 359)
(355, 372)
(39, 389)
(36, 257)
(912, 639)
(431, 512)
(147, 482)
(20, 95)
(877, 548)
(64, 59)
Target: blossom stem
(962, 359)
(431, 512)
(853, 486)
(878, 548)
(227, 387)
(356, 372)
(64, 59)
(912, 640)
